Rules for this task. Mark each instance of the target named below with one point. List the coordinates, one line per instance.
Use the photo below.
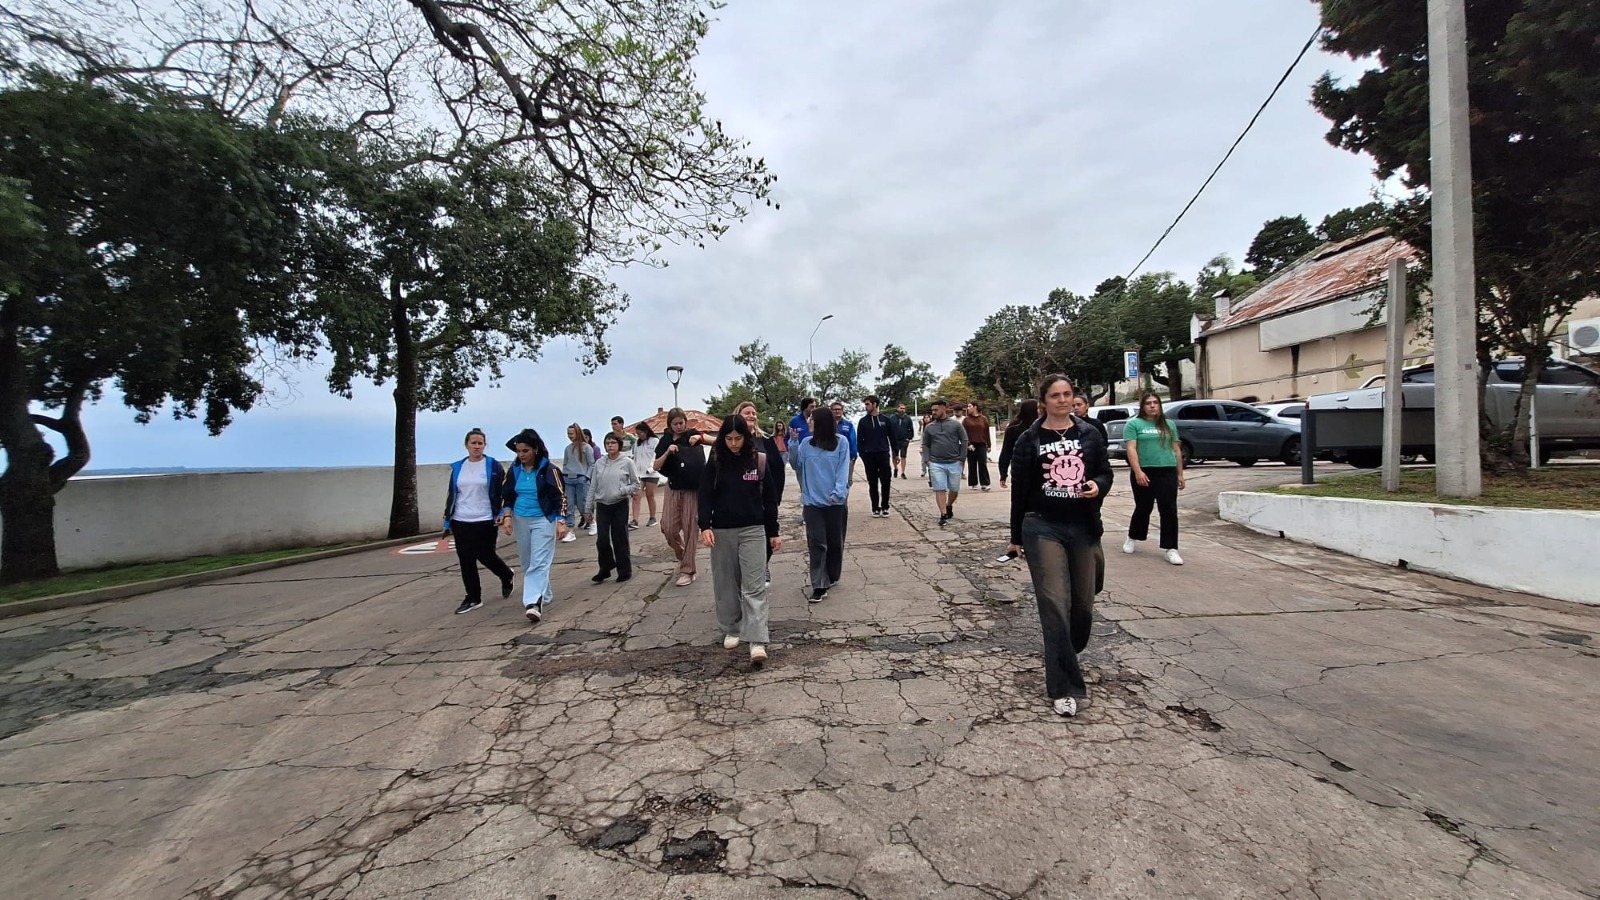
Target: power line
(1301, 55)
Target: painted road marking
(443, 545)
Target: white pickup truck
(1567, 403)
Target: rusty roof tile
(1333, 271)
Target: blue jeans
(536, 548)
(1064, 561)
(577, 497)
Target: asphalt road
(1267, 720)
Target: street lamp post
(811, 359)
(674, 375)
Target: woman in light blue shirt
(822, 464)
(534, 510)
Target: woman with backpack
(738, 517)
(534, 509)
(823, 463)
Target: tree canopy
(152, 246)
(901, 379)
(598, 97)
(1534, 95)
(1280, 242)
(435, 278)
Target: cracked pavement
(1268, 720)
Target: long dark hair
(723, 455)
(824, 432)
(531, 438)
(645, 431)
(1168, 433)
(1027, 413)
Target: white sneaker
(594, 530)
(1066, 707)
(758, 656)
(731, 642)
(1129, 545)
(569, 538)
(1174, 558)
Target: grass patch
(88, 580)
(1561, 487)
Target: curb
(135, 588)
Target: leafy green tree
(901, 378)
(954, 388)
(149, 246)
(768, 381)
(1280, 242)
(439, 278)
(598, 97)
(1354, 221)
(1154, 311)
(1534, 91)
(1089, 340)
(843, 378)
(1005, 356)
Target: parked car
(1105, 415)
(1284, 412)
(1223, 429)
(1566, 401)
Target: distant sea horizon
(204, 470)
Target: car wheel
(1245, 461)
(1188, 453)
(1291, 452)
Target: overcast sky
(936, 161)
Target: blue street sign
(1130, 365)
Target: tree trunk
(27, 499)
(1174, 379)
(403, 519)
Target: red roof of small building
(1331, 272)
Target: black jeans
(1064, 561)
(879, 471)
(611, 538)
(1163, 495)
(978, 465)
(825, 526)
(475, 544)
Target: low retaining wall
(1548, 552)
(151, 518)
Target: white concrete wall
(105, 521)
(1550, 553)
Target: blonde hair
(756, 429)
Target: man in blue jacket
(847, 431)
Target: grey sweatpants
(739, 581)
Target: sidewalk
(1268, 719)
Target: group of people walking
(726, 500)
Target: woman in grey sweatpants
(738, 519)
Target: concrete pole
(1394, 357)
(1456, 393)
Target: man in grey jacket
(944, 446)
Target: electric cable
(1275, 88)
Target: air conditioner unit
(1583, 335)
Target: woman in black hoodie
(739, 520)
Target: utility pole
(1394, 398)
(1457, 395)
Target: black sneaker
(943, 518)
(505, 587)
(817, 596)
(622, 578)
(468, 605)
(600, 576)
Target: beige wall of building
(1238, 369)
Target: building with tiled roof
(1316, 326)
